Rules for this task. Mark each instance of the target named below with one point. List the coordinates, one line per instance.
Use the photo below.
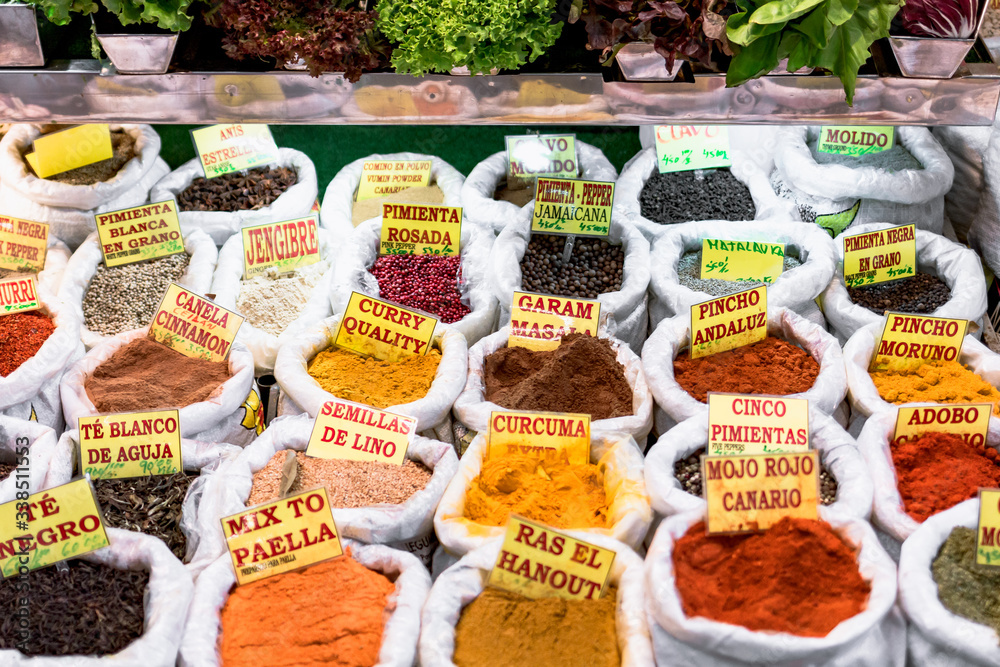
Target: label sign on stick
(132, 444)
(136, 234)
(532, 155)
(581, 208)
(687, 147)
(971, 421)
(53, 525)
(193, 325)
(285, 246)
(742, 260)
(70, 149)
(741, 424)
(418, 229)
(908, 341)
(880, 256)
(22, 244)
(539, 321)
(729, 322)
(551, 436)
(383, 330)
(380, 178)
(224, 149)
(854, 140)
(18, 295)
(356, 432)
(750, 493)
(988, 530)
(539, 562)
(285, 535)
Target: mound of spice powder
(554, 493)
(771, 366)
(145, 375)
(349, 484)
(332, 613)
(273, 301)
(503, 629)
(376, 383)
(426, 282)
(580, 376)
(150, 505)
(88, 610)
(21, 336)
(965, 588)
(798, 577)
(935, 471)
(935, 382)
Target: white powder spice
(271, 302)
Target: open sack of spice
(902, 185)
(164, 506)
(130, 372)
(452, 288)
(277, 306)
(110, 301)
(972, 378)
(36, 349)
(490, 202)
(948, 283)
(124, 604)
(26, 452)
(221, 206)
(614, 271)
(805, 591)
(599, 376)
(966, 147)
(798, 359)
(677, 283)
(653, 202)
(919, 476)
(67, 202)
(311, 370)
(946, 596)
(468, 623)
(341, 212)
(364, 609)
(372, 501)
(674, 477)
(606, 496)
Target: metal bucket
(20, 45)
(640, 62)
(139, 54)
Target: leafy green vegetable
(60, 11)
(168, 14)
(831, 34)
(438, 35)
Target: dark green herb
(965, 588)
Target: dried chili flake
(21, 335)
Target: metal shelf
(83, 91)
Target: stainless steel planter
(139, 54)
(20, 45)
(640, 62)
(934, 57)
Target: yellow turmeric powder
(935, 382)
(554, 493)
(367, 380)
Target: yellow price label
(19, 295)
(356, 432)
(908, 341)
(50, 526)
(383, 330)
(286, 246)
(751, 493)
(418, 229)
(70, 149)
(742, 260)
(282, 536)
(224, 149)
(539, 321)
(131, 444)
(728, 322)
(136, 234)
(564, 206)
(550, 436)
(193, 325)
(539, 562)
(741, 424)
(988, 530)
(532, 155)
(381, 178)
(23, 244)
(971, 421)
(880, 256)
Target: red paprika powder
(936, 471)
(21, 336)
(771, 366)
(799, 577)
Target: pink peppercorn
(426, 282)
